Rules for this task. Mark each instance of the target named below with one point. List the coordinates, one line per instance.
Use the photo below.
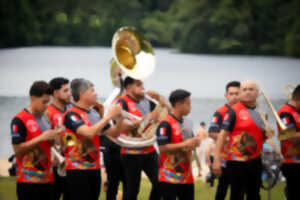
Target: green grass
(202, 191)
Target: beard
(64, 101)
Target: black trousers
(58, 186)
(133, 166)
(170, 191)
(245, 179)
(224, 182)
(34, 191)
(115, 173)
(83, 184)
(292, 174)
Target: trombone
(285, 132)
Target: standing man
(232, 97)
(245, 130)
(136, 160)
(31, 135)
(81, 140)
(175, 170)
(61, 98)
(290, 148)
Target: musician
(245, 130)
(232, 97)
(61, 99)
(136, 160)
(290, 148)
(81, 138)
(175, 170)
(31, 135)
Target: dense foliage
(268, 27)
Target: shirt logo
(226, 117)
(162, 131)
(32, 125)
(286, 121)
(15, 128)
(243, 115)
(74, 118)
(215, 120)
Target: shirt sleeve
(229, 120)
(123, 104)
(216, 123)
(287, 119)
(163, 133)
(18, 131)
(73, 121)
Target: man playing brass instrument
(245, 129)
(290, 148)
(61, 98)
(81, 138)
(136, 160)
(175, 170)
(31, 135)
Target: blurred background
(260, 27)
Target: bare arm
(24, 147)
(115, 130)
(219, 145)
(173, 148)
(91, 131)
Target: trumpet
(287, 90)
(285, 132)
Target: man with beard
(290, 148)
(136, 160)
(31, 135)
(245, 130)
(61, 99)
(232, 97)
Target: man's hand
(50, 134)
(192, 143)
(113, 112)
(153, 95)
(154, 116)
(216, 167)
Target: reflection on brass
(285, 132)
(69, 140)
(133, 53)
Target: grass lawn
(202, 191)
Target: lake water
(204, 75)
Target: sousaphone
(133, 57)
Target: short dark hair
(39, 88)
(296, 93)
(202, 124)
(178, 95)
(233, 84)
(128, 81)
(58, 82)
